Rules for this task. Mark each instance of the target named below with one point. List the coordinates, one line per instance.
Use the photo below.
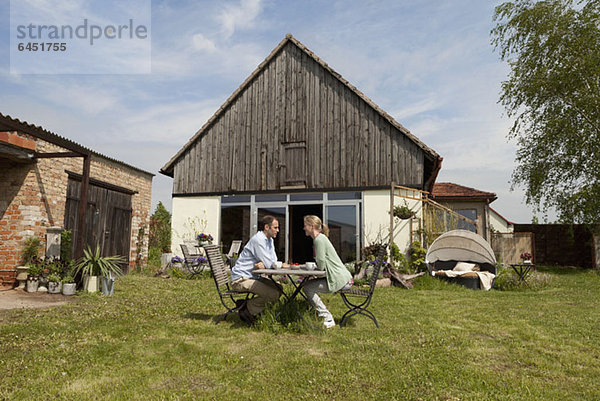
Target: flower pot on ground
(22, 273)
(54, 284)
(91, 283)
(68, 285)
(92, 265)
(32, 284)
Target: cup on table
(311, 265)
(278, 264)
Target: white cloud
(202, 43)
(428, 103)
(241, 16)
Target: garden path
(20, 299)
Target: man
(259, 253)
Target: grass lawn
(156, 339)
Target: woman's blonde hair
(316, 222)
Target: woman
(337, 276)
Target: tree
(553, 92)
(160, 228)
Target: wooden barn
(294, 139)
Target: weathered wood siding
(296, 125)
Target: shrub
(154, 253)
(160, 229)
(31, 249)
(400, 261)
(507, 280)
(417, 257)
(66, 240)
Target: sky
(428, 63)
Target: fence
(509, 246)
(564, 244)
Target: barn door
(293, 163)
(108, 218)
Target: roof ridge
(464, 186)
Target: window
(343, 231)
(343, 195)
(235, 198)
(270, 198)
(235, 224)
(469, 214)
(306, 197)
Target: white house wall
(202, 214)
(376, 225)
(499, 224)
(193, 215)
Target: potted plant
(526, 257)
(35, 270)
(68, 285)
(204, 239)
(93, 267)
(403, 212)
(54, 284)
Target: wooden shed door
(108, 218)
(293, 162)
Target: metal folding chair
(358, 300)
(191, 261)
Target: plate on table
(295, 266)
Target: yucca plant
(92, 264)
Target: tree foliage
(553, 92)
(160, 228)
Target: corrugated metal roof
(8, 123)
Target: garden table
(522, 270)
(301, 271)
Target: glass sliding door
(280, 214)
(343, 230)
(235, 225)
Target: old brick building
(41, 177)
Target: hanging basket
(403, 212)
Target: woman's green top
(328, 260)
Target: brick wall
(33, 198)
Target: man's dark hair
(266, 220)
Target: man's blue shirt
(258, 249)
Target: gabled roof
(167, 169)
(7, 123)
(450, 191)
(500, 216)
